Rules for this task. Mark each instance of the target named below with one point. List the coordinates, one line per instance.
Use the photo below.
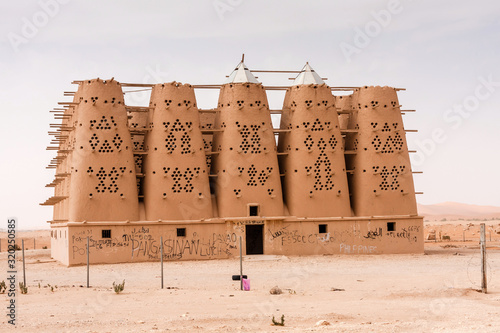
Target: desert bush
(118, 287)
(281, 323)
(3, 287)
(23, 288)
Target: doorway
(254, 238)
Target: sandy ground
(462, 230)
(33, 239)
(434, 291)
(458, 230)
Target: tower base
(123, 242)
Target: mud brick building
(335, 177)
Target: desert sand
(33, 239)
(435, 291)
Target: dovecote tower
(138, 118)
(138, 122)
(344, 108)
(315, 181)
(246, 162)
(176, 185)
(103, 179)
(382, 180)
(207, 120)
(343, 105)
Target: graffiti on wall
(357, 249)
(287, 237)
(141, 244)
(240, 225)
(409, 233)
(343, 238)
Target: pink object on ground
(246, 284)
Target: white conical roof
(241, 75)
(308, 76)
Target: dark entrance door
(255, 239)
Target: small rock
(322, 323)
(337, 289)
(140, 322)
(275, 291)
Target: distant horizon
(20, 228)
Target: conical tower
(246, 162)
(382, 182)
(176, 185)
(207, 122)
(344, 108)
(103, 179)
(315, 182)
(138, 118)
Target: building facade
(133, 182)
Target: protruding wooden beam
(53, 200)
(68, 103)
(274, 71)
(138, 108)
(211, 131)
(208, 110)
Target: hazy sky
(446, 53)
